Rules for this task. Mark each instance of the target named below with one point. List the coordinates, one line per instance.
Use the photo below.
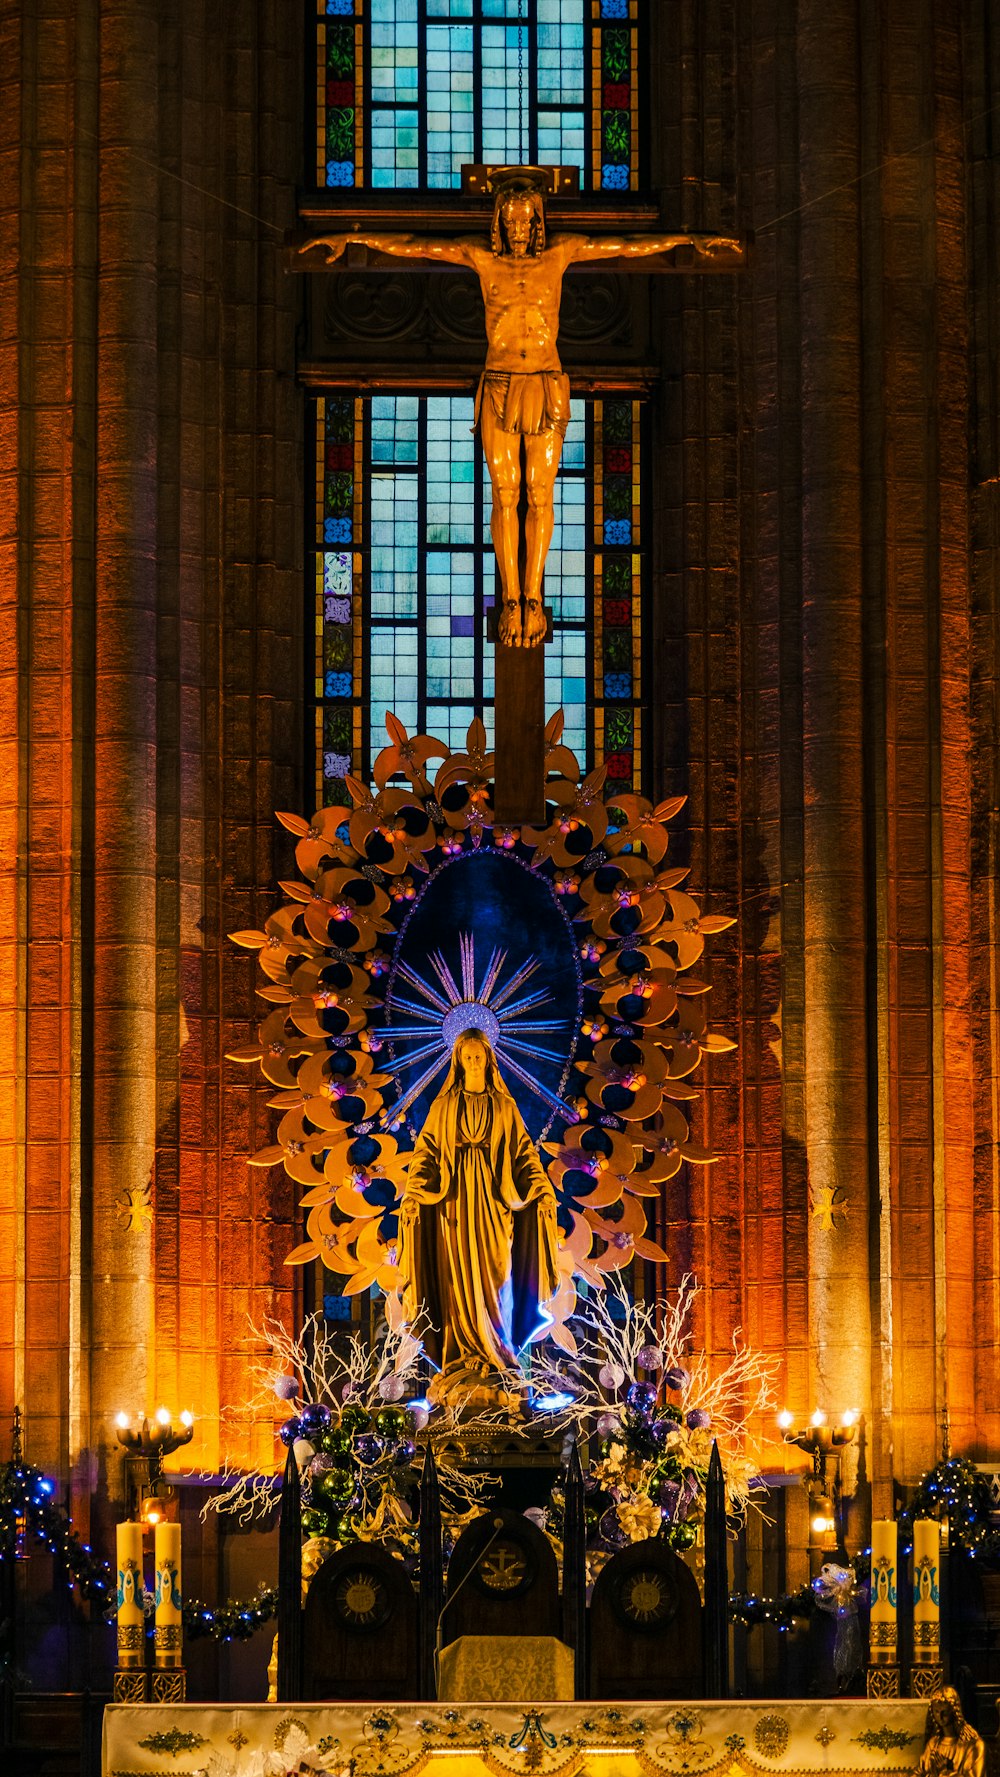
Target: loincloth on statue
(530, 402)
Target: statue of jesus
(523, 392)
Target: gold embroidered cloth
(506, 1669)
(808, 1739)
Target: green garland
(27, 1508)
(954, 1489)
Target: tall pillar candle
(131, 1597)
(926, 1592)
(882, 1632)
(167, 1631)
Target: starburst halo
(498, 1002)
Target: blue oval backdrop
(485, 944)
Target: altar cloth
(733, 1739)
(506, 1669)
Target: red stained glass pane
(617, 612)
(617, 460)
(340, 456)
(615, 97)
(340, 92)
(620, 766)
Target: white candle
(882, 1631)
(926, 1592)
(131, 1597)
(167, 1633)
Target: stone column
(125, 703)
(833, 938)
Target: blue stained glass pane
(614, 178)
(336, 764)
(337, 576)
(340, 172)
(340, 8)
(338, 684)
(614, 9)
(617, 531)
(617, 684)
(462, 626)
(337, 530)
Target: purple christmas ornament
(611, 1530)
(406, 1450)
(320, 1464)
(698, 1419)
(607, 1425)
(641, 1398)
(664, 1434)
(368, 1447)
(676, 1378)
(669, 1495)
(286, 1388)
(289, 1431)
(392, 1388)
(611, 1376)
(650, 1358)
(314, 1417)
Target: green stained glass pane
(337, 646)
(616, 135)
(616, 57)
(618, 650)
(617, 497)
(340, 134)
(617, 730)
(340, 51)
(617, 576)
(339, 495)
(340, 421)
(337, 735)
(617, 422)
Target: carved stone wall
(151, 662)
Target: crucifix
(521, 414)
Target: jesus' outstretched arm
(401, 246)
(578, 248)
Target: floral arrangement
(653, 1407)
(358, 1442)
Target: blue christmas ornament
(289, 1431)
(641, 1398)
(315, 1417)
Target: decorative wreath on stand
(568, 945)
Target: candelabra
(146, 1443)
(822, 1441)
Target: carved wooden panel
(359, 1629)
(502, 1580)
(645, 1626)
(408, 317)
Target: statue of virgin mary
(477, 1234)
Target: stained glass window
(409, 90)
(405, 575)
